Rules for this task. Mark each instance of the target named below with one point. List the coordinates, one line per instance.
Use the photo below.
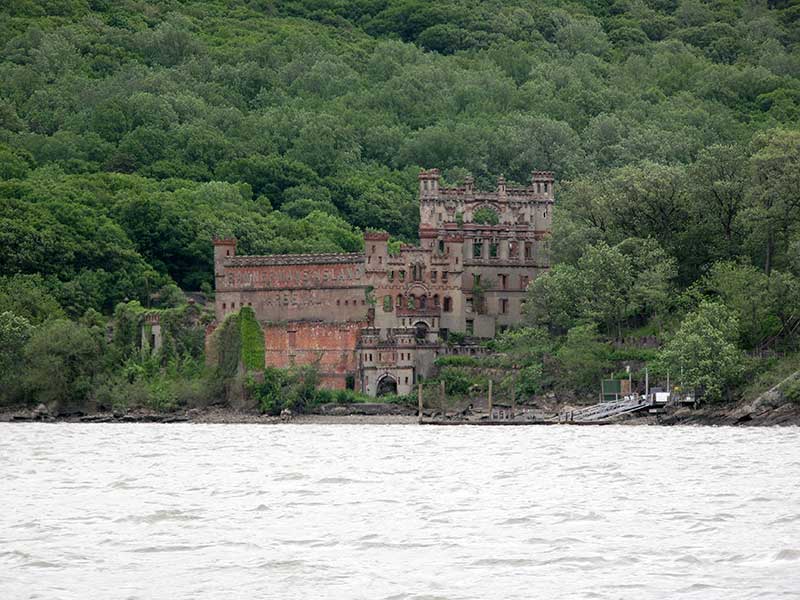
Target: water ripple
(398, 513)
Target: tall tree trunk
(770, 250)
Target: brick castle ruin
(375, 321)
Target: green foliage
(704, 350)
(671, 126)
(457, 381)
(582, 358)
(295, 389)
(613, 286)
(15, 331)
(485, 216)
(792, 391)
(30, 297)
(63, 358)
(226, 346)
(252, 340)
(457, 360)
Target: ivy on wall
(238, 342)
(182, 330)
(252, 340)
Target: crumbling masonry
(375, 321)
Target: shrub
(792, 391)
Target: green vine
(369, 295)
(237, 342)
(252, 340)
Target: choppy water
(392, 512)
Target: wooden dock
(604, 413)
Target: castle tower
(224, 248)
(542, 183)
(429, 183)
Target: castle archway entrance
(386, 385)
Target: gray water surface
(392, 512)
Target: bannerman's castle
(376, 321)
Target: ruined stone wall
(331, 347)
(328, 291)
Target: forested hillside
(131, 132)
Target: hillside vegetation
(131, 132)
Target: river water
(393, 512)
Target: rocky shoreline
(758, 413)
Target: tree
(582, 358)
(14, 334)
(29, 297)
(703, 351)
(62, 360)
(746, 291)
(776, 170)
(606, 279)
(718, 182)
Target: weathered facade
(375, 321)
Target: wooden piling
(490, 398)
(441, 397)
(419, 401)
(514, 395)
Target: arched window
(436, 300)
(399, 300)
(423, 301)
(448, 304)
(412, 302)
(387, 304)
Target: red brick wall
(327, 292)
(331, 346)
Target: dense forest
(131, 132)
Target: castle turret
(542, 183)
(376, 246)
(224, 248)
(428, 183)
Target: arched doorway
(420, 330)
(386, 385)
